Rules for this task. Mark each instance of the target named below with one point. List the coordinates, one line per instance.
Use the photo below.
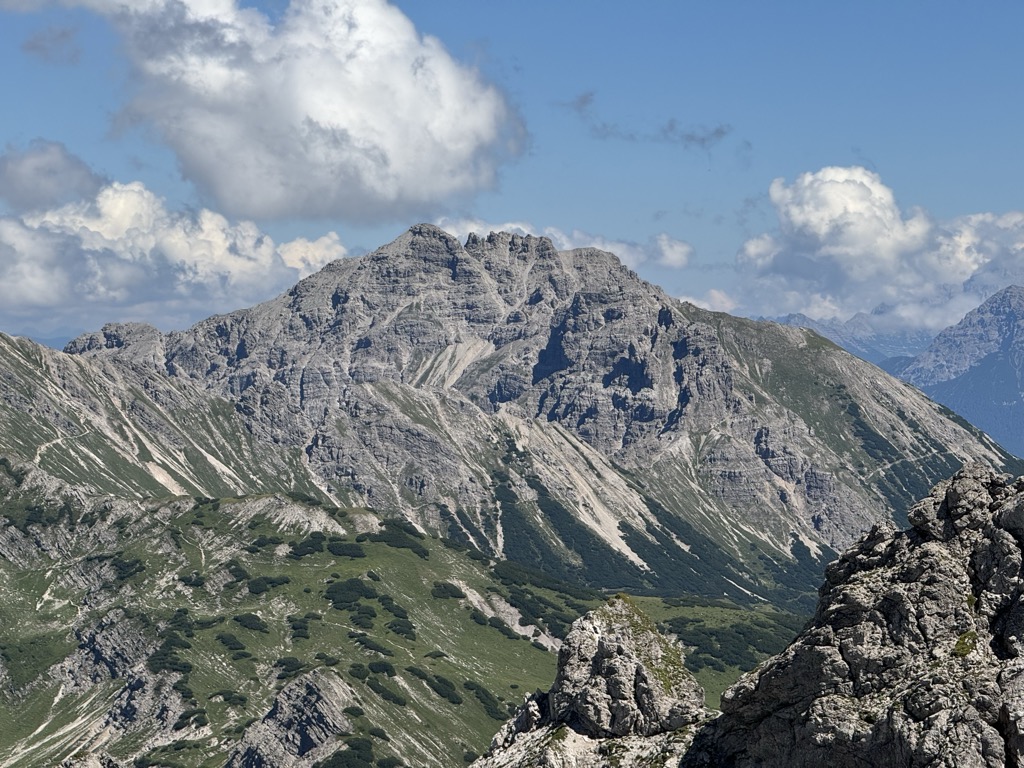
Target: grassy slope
(129, 563)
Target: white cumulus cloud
(341, 109)
(844, 245)
(123, 255)
(714, 299)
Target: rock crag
(622, 697)
(914, 657)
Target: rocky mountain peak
(989, 328)
(618, 676)
(541, 405)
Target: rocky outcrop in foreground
(622, 697)
(913, 658)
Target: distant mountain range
(865, 336)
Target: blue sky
(186, 157)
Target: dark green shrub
(253, 622)
(359, 671)
(403, 627)
(388, 604)
(445, 590)
(345, 594)
(444, 688)
(290, 667)
(262, 584)
(238, 573)
(166, 659)
(193, 579)
(230, 642)
(383, 668)
(309, 546)
(372, 645)
(491, 704)
(345, 549)
(386, 693)
(232, 698)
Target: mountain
(976, 367)
(543, 406)
(866, 336)
(913, 657)
(348, 526)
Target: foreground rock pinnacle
(913, 657)
(622, 697)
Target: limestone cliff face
(552, 407)
(913, 658)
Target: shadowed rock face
(913, 658)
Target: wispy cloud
(57, 45)
(672, 131)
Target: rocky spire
(913, 656)
(621, 696)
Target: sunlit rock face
(545, 406)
